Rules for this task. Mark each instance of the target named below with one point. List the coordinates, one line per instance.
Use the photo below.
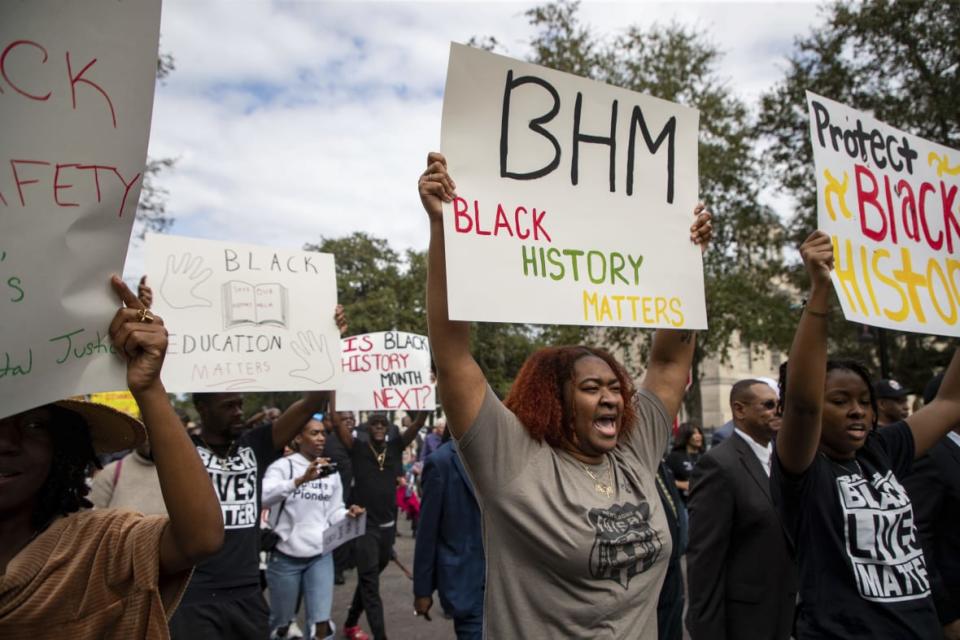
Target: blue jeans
(288, 576)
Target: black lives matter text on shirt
(625, 544)
(237, 479)
(862, 573)
(881, 539)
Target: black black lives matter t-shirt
(862, 570)
(237, 480)
(373, 489)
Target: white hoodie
(308, 510)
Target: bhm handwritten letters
(889, 201)
(574, 202)
(384, 371)
(76, 94)
(244, 317)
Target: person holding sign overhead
(565, 469)
(836, 479)
(377, 462)
(69, 570)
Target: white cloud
(293, 121)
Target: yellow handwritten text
(915, 289)
(650, 310)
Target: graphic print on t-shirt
(625, 543)
(234, 479)
(881, 539)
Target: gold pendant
(603, 489)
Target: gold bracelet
(817, 314)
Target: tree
(901, 62)
(368, 283)
(744, 295)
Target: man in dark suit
(740, 570)
(934, 488)
(448, 556)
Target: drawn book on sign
(257, 304)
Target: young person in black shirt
(224, 599)
(377, 463)
(837, 482)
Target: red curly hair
(538, 399)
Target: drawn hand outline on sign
(313, 351)
(180, 282)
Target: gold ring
(145, 316)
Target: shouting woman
(565, 469)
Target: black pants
(372, 554)
(244, 618)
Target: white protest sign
(385, 371)
(889, 201)
(575, 199)
(76, 95)
(344, 531)
(244, 317)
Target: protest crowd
(577, 505)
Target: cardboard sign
(344, 531)
(385, 371)
(243, 317)
(889, 201)
(575, 199)
(76, 95)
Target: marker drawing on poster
(76, 96)
(575, 199)
(384, 371)
(889, 201)
(245, 317)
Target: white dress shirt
(762, 452)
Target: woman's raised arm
(460, 381)
(195, 530)
(799, 436)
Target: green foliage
(899, 61)
(371, 286)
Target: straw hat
(110, 430)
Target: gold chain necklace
(226, 455)
(381, 457)
(603, 488)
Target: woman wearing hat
(84, 573)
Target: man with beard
(741, 575)
(224, 598)
(377, 463)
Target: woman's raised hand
(436, 186)
(817, 254)
(701, 231)
(139, 337)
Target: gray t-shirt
(564, 561)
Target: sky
(293, 121)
